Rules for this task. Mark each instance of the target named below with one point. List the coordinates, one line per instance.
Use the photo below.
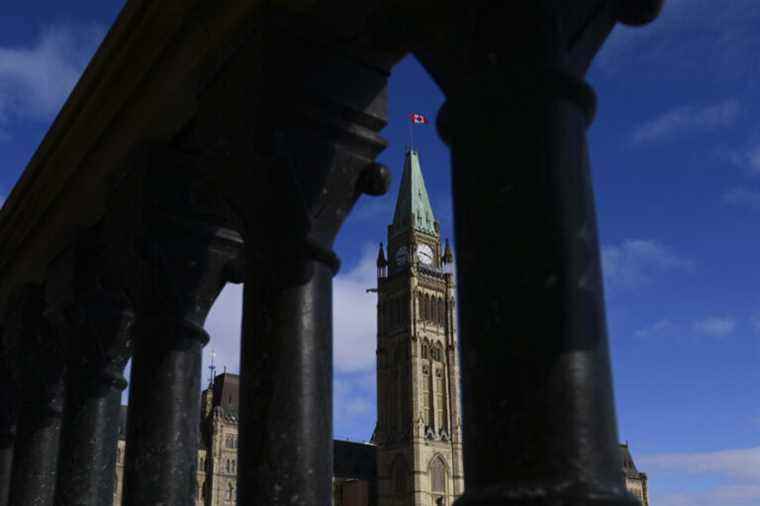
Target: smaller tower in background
(212, 369)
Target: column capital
(173, 240)
(466, 39)
(35, 350)
(93, 318)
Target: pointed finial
(381, 261)
(448, 257)
(212, 369)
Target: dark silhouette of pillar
(7, 417)
(295, 148)
(96, 323)
(177, 257)
(38, 353)
(538, 413)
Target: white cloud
(687, 119)
(726, 495)
(738, 470)
(755, 321)
(354, 405)
(743, 197)
(662, 328)
(716, 326)
(740, 464)
(355, 315)
(749, 158)
(636, 262)
(35, 80)
(696, 39)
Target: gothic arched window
(230, 491)
(428, 307)
(438, 480)
(424, 349)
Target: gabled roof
(629, 467)
(413, 207)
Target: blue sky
(675, 152)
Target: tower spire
(211, 369)
(413, 209)
(382, 263)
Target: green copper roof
(413, 205)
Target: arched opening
(438, 475)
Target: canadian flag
(418, 119)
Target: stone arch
(438, 471)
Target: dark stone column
(38, 352)
(178, 257)
(538, 413)
(286, 351)
(296, 150)
(7, 418)
(97, 324)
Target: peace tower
(418, 434)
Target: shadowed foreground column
(97, 324)
(538, 410)
(296, 149)
(539, 422)
(181, 260)
(7, 418)
(41, 398)
(286, 389)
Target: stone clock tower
(418, 434)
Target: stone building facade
(418, 435)
(635, 481)
(415, 455)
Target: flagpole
(411, 134)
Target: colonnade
(251, 185)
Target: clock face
(425, 254)
(401, 255)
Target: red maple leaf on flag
(418, 119)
